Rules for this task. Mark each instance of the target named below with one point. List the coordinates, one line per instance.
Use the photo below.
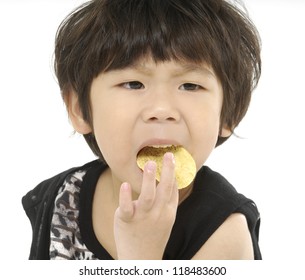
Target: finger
(167, 180)
(148, 190)
(174, 200)
(126, 209)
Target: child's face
(154, 104)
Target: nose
(161, 108)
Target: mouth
(157, 143)
(185, 166)
(154, 153)
(160, 146)
(154, 149)
(157, 150)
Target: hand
(142, 227)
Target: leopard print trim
(65, 237)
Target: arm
(142, 227)
(231, 241)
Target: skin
(153, 104)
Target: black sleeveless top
(211, 202)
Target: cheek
(206, 145)
(111, 131)
(205, 134)
(110, 139)
(115, 144)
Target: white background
(37, 140)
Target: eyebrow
(183, 69)
(191, 67)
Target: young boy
(133, 74)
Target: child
(137, 73)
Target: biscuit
(185, 167)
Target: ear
(75, 114)
(225, 132)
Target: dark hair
(103, 35)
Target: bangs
(160, 29)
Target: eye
(190, 87)
(133, 85)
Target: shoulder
(38, 205)
(212, 182)
(232, 240)
(236, 236)
(215, 215)
(215, 194)
(49, 187)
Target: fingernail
(170, 156)
(150, 166)
(125, 186)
